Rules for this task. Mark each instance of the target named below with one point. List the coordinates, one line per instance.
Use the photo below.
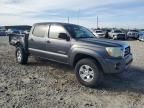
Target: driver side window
(55, 30)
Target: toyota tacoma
(76, 46)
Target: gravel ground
(52, 85)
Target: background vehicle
(15, 31)
(2, 32)
(117, 34)
(106, 32)
(99, 33)
(26, 31)
(75, 46)
(133, 34)
(141, 36)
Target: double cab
(76, 46)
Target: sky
(111, 13)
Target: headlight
(115, 51)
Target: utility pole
(97, 22)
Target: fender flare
(85, 51)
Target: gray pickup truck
(76, 46)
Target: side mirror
(64, 36)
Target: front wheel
(88, 73)
(21, 56)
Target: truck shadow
(52, 64)
(131, 80)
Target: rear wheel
(21, 56)
(88, 73)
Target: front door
(58, 48)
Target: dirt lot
(51, 85)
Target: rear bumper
(116, 65)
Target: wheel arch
(80, 56)
(18, 44)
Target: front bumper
(141, 38)
(120, 37)
(132, 36)
(101, 36)
(116, 65)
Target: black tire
(98, 74)
(125, 38)
(24, 56)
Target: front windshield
(17, 32)
(133, 31)
(79, 31)
(118, 31)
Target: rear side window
(55, 30)
(40, 30)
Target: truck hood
(101, 42)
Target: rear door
(57, 48)
(38, 40)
